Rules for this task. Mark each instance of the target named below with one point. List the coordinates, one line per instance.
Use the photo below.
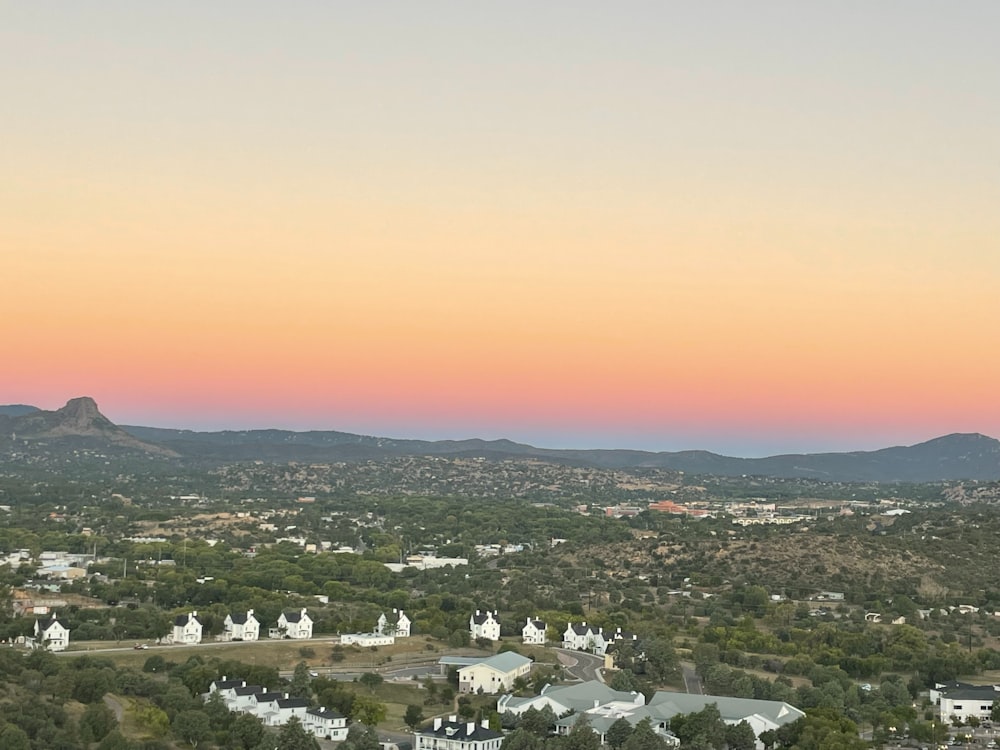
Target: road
(692, 682)
(581, 665)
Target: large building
(51, 634)
(452, 734)
(959, 700)
(493, 675)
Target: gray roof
(459, 730)
(250, 690)
(972, 693)
(292, 703)
(507, 661)
(578, 697)
(666, 705)
(325, 713)
(292, 615)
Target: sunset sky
(746, 227)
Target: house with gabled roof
(326, 724)
(533, 632)
(583, 637)
(400, 628)
(485, 625)
(51, 634)
(241, 626)
(225, 688)
(242, 699)
(494, 674)
(293, 624)
(187, 628)
(452, 734)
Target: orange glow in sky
(656, 226)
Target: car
(140, 647)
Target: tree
(367, 710)
(413, 716)
(539, 723)
(246, 732)
(371, 680)
(625, 681)
(299, 686)
(13, 738)
(582, 737)
(521, 739)
(192, 727)
(644, 737)
(97, 722)
(360, 737)
(114, 741)
(293, 736)
(740, 736)
(618, 733)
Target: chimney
(453, 718)
(249, 612)
(486, 723)
(470, 728)
(194, 614)
(286, 696)
(437, 723)
(477, 613)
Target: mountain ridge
(952, 457)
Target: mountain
(78, 423)
(17, 410)
(949, 458)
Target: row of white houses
(275, 709)
(487, 625)
(244, 626)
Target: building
(494, 674)
(533, 632)
(761, 715)
(187, 628)
(51, 633)
(367, 639)
(565, 699)
(294, 624)
(485, 625)
(604, 706)
(401, 628)
(326, 724)
(241, 626)
(457, 735)
(583, 637)
(961, 701)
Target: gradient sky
(747, 227)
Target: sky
(751, 228)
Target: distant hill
(17, 410)
(952, 457)
(79, 422)
(948, 458)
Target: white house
(225, 688)
(265, 706)
(295, 624)
(485, 625)
(241, 626)
(243, 699)
(962, 701)
(187, 628)
(493, 675)
(326, 724)
(401, 629)
(457, 735)
(51, 633)
(583, 637)
(533, 632)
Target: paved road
(692, 682)
(581, 665)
